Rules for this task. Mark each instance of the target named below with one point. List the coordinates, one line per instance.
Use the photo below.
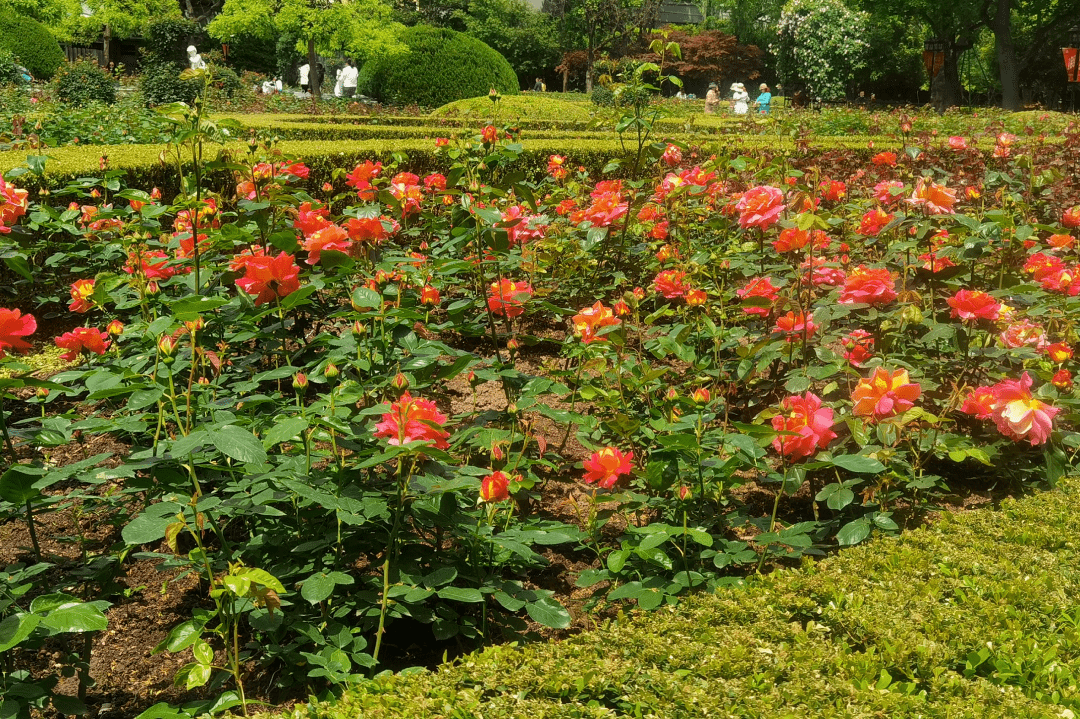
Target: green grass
(975, 616)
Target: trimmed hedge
(973, 617)
(532, 106)
(30, 42)
(439, 66)
(143, 168)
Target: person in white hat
(740, 100)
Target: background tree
(821, 45)
(361, 28)
(526, 38)
(601, 26)
(710, 56)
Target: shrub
(161, 84)
(9, 69)
(439, 66)
(31, 43)
(225, 80)
(603, 96)
(167, 39)
(83, 82)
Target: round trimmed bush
(160, 84)
(439, 66)
(83, 82)
(32, 44)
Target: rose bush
(329, 394)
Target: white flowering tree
(820, 44)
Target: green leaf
(853, 532)
(284, 431)
(363, 297)
(461, 594)
(187, 309)
(617, 559)
(649, 600)
(17, 484)
(239, 444)
(548, 612)
(15, 628)
(202, 652)
(856, 463)
(145, 529)
(161, 710)
(317, 588)
(181, 637)
(68, 706)
(266, 579)
(76, 617)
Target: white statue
(195, 59)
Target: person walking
(712, 99)
(305, 74)
(337, 82)
(740, 100)
(349, 76)
(763, 100)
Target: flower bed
(380, 415)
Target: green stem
(4, 429)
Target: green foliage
(603, 96)
(525, 37)
(160, 84)
(31, 43)
(439, 66)
(821, 45)
(970, 618)
(83, 82)
(547, 107)
(167, 39)
(224, 79)
(9, 69)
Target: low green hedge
(144, 169)
(975, 616)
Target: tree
(710, 56)
(87, 20)
(820, 43)
(601, 26)
(360, 27)
(526, 38)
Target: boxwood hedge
(439, 66)
(974, 616)
(30, 42)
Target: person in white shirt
(349, 76)
(337, 82)
(305, 70)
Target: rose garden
(526, 407)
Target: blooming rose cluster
(1012, 407)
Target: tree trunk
(565, 79)
(106, 43)
(946, 91)
(588, 70)
(1006, 56)
(313, 71)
